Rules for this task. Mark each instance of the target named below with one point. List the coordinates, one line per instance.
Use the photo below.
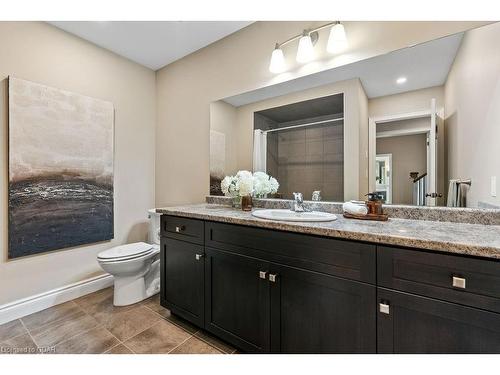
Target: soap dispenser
(374, 204)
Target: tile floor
(91, 324)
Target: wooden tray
(373, 217)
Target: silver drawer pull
(458, 282)
(180, 229)
(199, 256)
(262, 274)
(384, 308)
(273, 277)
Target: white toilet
(135, 266)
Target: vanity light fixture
(337, 42)
(401, 80)
(277, 64)
(305, 52)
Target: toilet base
(133, 289)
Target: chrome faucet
(298, 203)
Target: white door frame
(372, 140)
(389, 187)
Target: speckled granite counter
(469, 239)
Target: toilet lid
(126, 251)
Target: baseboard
(18, 309)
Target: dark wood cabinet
(272, 291)
(316, 313)
(237, 299)
(183, 279)
(408, 323)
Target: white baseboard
(18, 309)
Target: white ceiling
(424, 65)
(153, 44)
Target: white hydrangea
(264, 184)
(228, 186)
(245, 183)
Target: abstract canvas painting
(60, 169)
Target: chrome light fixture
(277, 64)
(337, 41)
(305, 52)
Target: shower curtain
(259, 150)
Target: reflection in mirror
(302, 144)
(418, 125)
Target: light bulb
(401, 80)
(305, 52)
(277, 64)
(337, 41)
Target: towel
(355, 208)
(456, 194)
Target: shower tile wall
(308, 159)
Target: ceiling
(153, 44)
(424, 65)
(324, 106)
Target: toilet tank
(154, 227)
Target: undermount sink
(288, 215)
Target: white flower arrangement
(245, 183)
(264, 184)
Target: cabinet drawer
(468, 281)
(182, 228)
(348, 259)
(412, 324)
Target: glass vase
(236, 202)
(246, 203)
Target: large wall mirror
(418, 125)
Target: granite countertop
(468, 239)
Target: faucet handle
(298, 197)
(316, 195)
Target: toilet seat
(125, 252)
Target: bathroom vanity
(339, 287)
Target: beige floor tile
(160, 338)
(153, 303)
(61, 330)
(50, 315)
(214, 341)
(195, 346)
(22, 344)
(11, 329)
(94, 298)
(119, 349)
(101, 307)
(95, 341)
(128, 323)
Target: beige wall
(472, 118)
(408, 155)
(239, 63)
(223, 120)
(41, 53)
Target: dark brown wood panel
(182, 228)
(431, 274)
(316, 313)
(423, 325)
(182, 287)
(237, 300)
(348, 259)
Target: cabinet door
(237, 300)
(182, 279)
(412, 324)
(317, 313)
